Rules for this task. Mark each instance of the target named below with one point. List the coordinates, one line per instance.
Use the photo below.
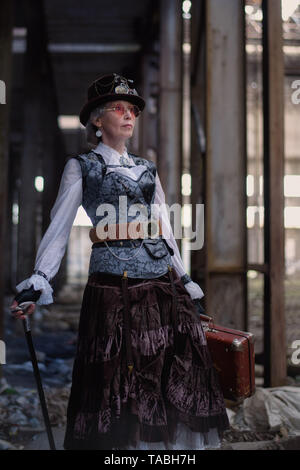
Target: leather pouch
(155, 248)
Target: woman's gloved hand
(26, 295)
(199, 308)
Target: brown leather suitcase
(232, 353)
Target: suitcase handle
(208, 319)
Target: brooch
(124, 161)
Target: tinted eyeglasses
(121, 110)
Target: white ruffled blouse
(69, 198)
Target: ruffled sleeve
(53, 244)
(160, 211)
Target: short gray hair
(91, 129)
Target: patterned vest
(147, 260)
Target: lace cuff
(194, 290)
(39, 283)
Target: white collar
(110, 155)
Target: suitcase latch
(208, 328)
(237, 345)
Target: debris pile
(271, 417)
(21, 416)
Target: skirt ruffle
(170, 385)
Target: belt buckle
(135, 241)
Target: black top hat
(110, 88)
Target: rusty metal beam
(273, 108)
(225, 198)
(198, 141)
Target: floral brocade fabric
(102, 186)
(173, 381)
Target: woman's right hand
(30, 296)
(21, 313)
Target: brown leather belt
(130, 231)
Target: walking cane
(26, 324)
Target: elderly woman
(143, 376)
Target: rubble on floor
(21, 416)
(54, 333)
(269, 410)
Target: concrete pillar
(149, 119)
(170, 100)
(32, 145)
(54, 152)
(225, 201)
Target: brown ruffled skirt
(172, 381)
